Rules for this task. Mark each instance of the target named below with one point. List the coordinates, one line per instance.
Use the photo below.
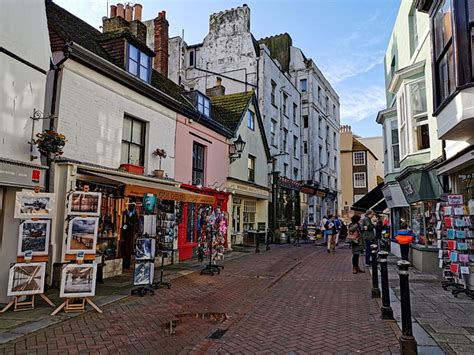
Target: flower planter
(159, 173)
(134, 169)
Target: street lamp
(236, 149)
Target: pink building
(202, 165)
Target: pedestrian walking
(404, 237)
(322, 228)
(368, 235)
(356, 242)
(338, 224)
(331, 234)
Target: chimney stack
(137, 12)
(113, 11)
(128, 12)
(217, 90)
(160, 62)
(120, 11)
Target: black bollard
(408, 344)
(387, 312)
(375, 272)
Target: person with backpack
(338, 224)
(331, 234)
(404, 237)
(357, 246)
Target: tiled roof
(357, 145)
(230, 108)
(72, 29)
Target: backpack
(353, 235)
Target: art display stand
(215, 229)
(18, 303)
(161, 283)
(76, 305)
(456, 243)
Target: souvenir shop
(189, 228)
(455, 226)
(131, 206)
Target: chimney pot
(128, 13)
(113, 11)
(218, 81)
(120, 11)
(137, 12)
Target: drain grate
(217, 334)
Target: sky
(347, 39)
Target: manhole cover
(217, 333)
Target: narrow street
(288, 300)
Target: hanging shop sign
(321, 194)
(455, 200)
(21, 175)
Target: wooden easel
(77, 304)
(25, 305)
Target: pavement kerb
(35, 326)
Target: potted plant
(161, 153)
(50, 143)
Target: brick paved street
(288, 300)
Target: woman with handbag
(357, 245)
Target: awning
(419, 184)
(137, 187)
(371, 200)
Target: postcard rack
(213, 234)
(456, 245)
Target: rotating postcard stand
(78, 278)
(215, 228)
(212, 267)
(27, 276)
(144, 266)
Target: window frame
(142, 144)
(196, 147)
(305, 147)
(285, 105)
(250, 120)
(273, 135)
(295, 110)
(305, 121)
(364, 174)
(354, 158)
(138, 63)
(273, 93)
(305, 81)
(203, 109)
(285, 140)
(295, 147)
(251, 166)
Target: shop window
(138, 63)
(251, 168)
(273, 93)
(305, 121)
(444, 51)
(250, 210)
(359, 158)
(236, 216)
(360, 180)
(250, 120)
(303, 85)
(198, 164)
(133, 141)
(203, 105)
(273, 135)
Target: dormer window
(203, 105)
(138, 63)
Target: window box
(134, 169)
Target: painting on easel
(26, 279)
(34, 237)
(84, 203)
(82, 235)
(78, 280)
(30, 204)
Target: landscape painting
(82, 235)
(34, 237)
(84, 203)
(78, 280)
(143, 274)
(26, 279)
(29, 204)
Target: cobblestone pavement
(286, 301)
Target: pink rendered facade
(216, 161)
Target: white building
(24, 63)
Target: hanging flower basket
(50, 143)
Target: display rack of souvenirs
(456, 244)
(212, 239)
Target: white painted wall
(91, 112)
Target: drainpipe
(57, 68)
(445, 184)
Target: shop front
(189, 228)
(248, 208)
(131, 206)
(14, 177)
(422, 192)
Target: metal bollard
(387, 312)
(408, 344)
(375, 272)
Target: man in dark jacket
(368, 234)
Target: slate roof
(72, 29)
(229, 109)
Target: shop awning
(137, 187)
(372, 199)
(394, 196)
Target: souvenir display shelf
(456, 242)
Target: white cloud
(354, 65)
(361, 104)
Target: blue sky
(346, 38)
